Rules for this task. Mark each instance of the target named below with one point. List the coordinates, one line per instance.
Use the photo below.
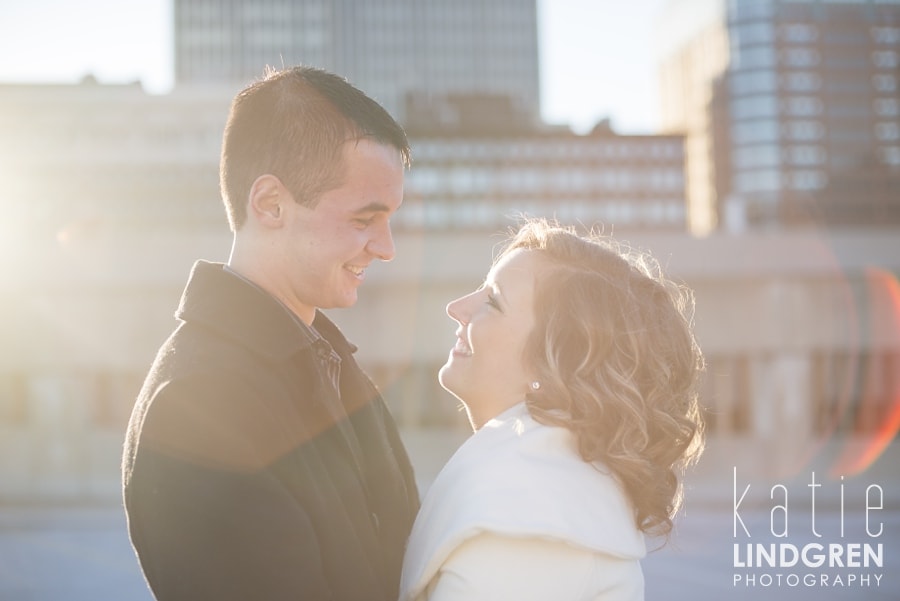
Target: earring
(535, 385)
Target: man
(260, 461)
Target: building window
(886, 35)
(675, 212)
(799, 57)
(807, 155)
(808, 180)
(748, 10)
(887, 132)
(887, 107)
(884, 83)
(726, 395)
(885, 59)
(765, 180)
(750, 157)
(412, 216)
(891, 155)
(802, 106)
(799, 33)
(801, 81)
(804, 130)
(754, 107)
(753, 82)
(747, 34)
(875, 397)
(757, 57)
(832, 375)
(112, 398)
(13, 399)
(437, 214)
(424, 180)
(748, 132)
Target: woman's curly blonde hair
(614, 352)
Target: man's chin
(345, 302)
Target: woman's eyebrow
(496, 289)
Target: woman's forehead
(519, 267)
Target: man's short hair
(293, 124)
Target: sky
(598, 57)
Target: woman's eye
(492, 301)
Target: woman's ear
(267, 197)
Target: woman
(577, 367)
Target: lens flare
(879, 381)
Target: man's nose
(382, 243)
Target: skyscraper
(393, 49)
(801, 115)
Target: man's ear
(267, 198)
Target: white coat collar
(519, 478)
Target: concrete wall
(83, 315)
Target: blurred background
(752, 146)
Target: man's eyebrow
(373, 207)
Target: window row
(744, 12)
(436, 215)
(760, 180)
(771, 106)
(768, 81)
(853, 84)
(448, 151)
(102, 399)
(771, 130)
(762, 32)
(845, 391)
(767, 57)
(485, 181)
(751, 157)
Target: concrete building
(801, 333)
(393, 49)
(76, 155)
(791, 110)
(694, 51)
(76, 161)
(479, 182)
(109, 195)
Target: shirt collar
(233, 307)
(306, 330)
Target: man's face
(325, 250)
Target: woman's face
(485, 369)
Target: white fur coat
(517, 514)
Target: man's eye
(364, 221)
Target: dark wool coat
(245, 477)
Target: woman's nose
(457, 310)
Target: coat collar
(519, 478)
(223, 302)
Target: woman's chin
(445, 376)
(449, 382)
